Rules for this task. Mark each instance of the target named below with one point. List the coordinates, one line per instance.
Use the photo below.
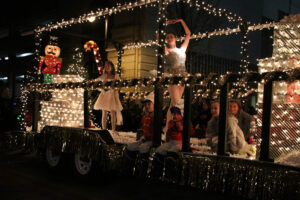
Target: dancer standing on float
(176, 57)
(108, 100)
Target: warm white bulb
(92, 19)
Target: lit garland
(161, 37)
(197, 79)
(97, 14)
(24, 101)
(218, 32)
(119, 48)
(28, 79)
(130, 6)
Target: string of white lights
(91, 16)
(218, 32)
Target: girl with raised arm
(176, 57)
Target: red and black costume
(175, 131)
(50, 64)
(147, 121)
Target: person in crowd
(144, 143)
(201, 119)
(213, 125)
(174, 134)
(108, 100)
(176, 56)
(245, 121)
(236, 142)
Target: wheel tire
(53, 159)
(82, 165)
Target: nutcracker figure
(50, 63)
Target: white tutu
(109, 100)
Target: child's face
(176, 116)
(215, 109)
(149, 106)
(171, 39)
(233, 108)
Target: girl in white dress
(176, 57)
(108, 100)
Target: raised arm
(186, 30)
(187, 34)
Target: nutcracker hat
(149, 98)
(53, 41)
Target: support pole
(86, 109)
(106, 33)
(222, 140)
(158, 115)
(35, 112)
(119, 47)
(266, 122)
(158, 99)
(187, 119)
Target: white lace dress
(177, 59)
(109, 99)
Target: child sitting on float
(145, 142)
(174, 133)
(236, 143)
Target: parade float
(63, 123)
